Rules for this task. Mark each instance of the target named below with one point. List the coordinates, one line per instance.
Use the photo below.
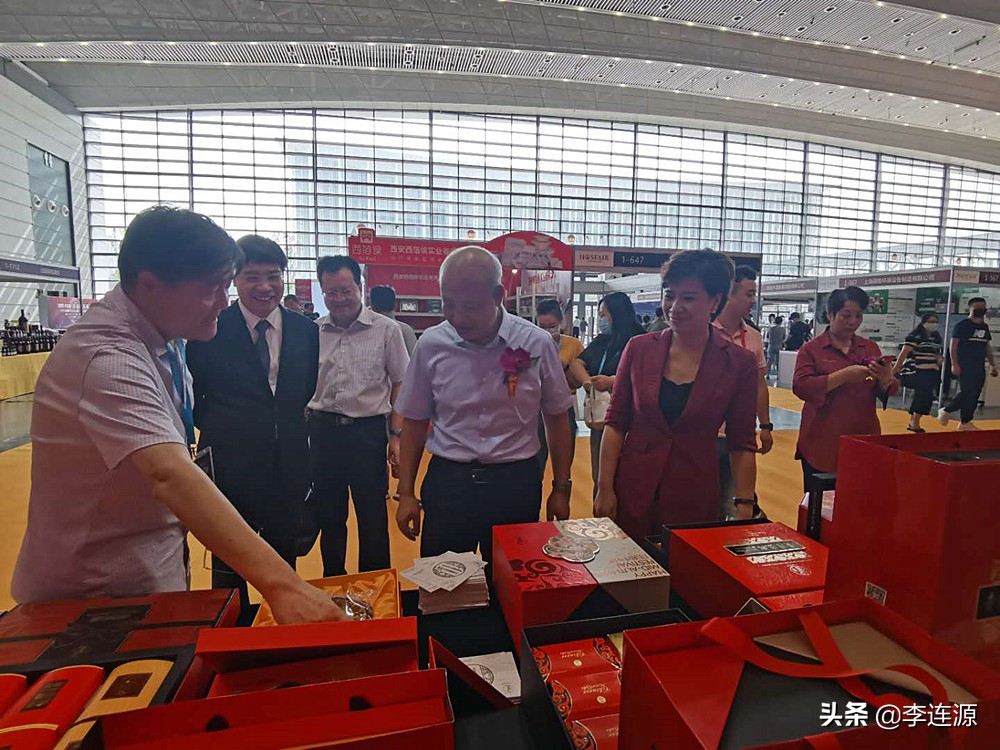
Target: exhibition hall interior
(512, 374)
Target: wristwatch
(564, 485)
(395, 433)
(744, 501)
(766, 426)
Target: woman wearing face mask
(616, 325)
(549, 317)
(674, 390)
(919, 367)
(839, 375)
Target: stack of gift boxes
(779, 642)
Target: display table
(19, 373)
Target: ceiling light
(865, 38)
(944, 15)
(786, 38)
(754, 33)
(225, 63)
(921, 48)
(896, 20)
(800, 29)
(294, 43)
(847, 46)
(302, 65)
(84, 44)
(954, 31)
(830, 9)
(689, 23)
(723, 28)
(63, 59)
(131, 43)
(148, 62)
(815, 83)
(211, 44)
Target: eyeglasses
(339, 294)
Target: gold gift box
(379, 589)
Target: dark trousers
(350, 458)
(925, 384)
(970, 385)
(543, 452)
(224, 577)
(463, 502)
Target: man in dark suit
(251, 384)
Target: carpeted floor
(779, 487)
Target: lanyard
(178, 364)
(600, 369)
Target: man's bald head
(472, 293)
(473, 265)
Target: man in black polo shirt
(970, 347)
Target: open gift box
(565, 661)
(535, 588)
(766, 681)
(917, 531)
(241, 660)
(386, 712)
(717, 569)
(376, 591)
(37, 638)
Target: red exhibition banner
(407, 281)
(532, 250)
(303, 290)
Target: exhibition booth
(897, 300)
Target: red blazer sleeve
(619, 413)
(807, 384)
(741, 415)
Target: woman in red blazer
(673, 391)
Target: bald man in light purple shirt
(485, 429)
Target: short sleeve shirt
(973, 339)
(94, 527)
(570, 350)
(460, 387)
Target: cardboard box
(778, 603)
(918, 514)
(379, 589)
(37, 638)
(826, 527)
(716, 570)
(534, 588)
(761, 681)
(548, 728)
(388, 712)
(247, 659)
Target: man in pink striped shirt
(113, 486)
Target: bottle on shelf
(22, 322)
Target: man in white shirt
(362, 361)
(113, 486)
(252, 383)
(383, 300)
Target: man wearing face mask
(549, 316)
(970, 346)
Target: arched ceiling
(919, 78)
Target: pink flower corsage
(514, 362)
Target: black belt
(342, 420)
(480, 473)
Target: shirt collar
(148, 333)
(718, 324)
(504, 333)
(366, 318)
(252, 320)
(857, 342)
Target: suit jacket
(670, 474)
(259, 440)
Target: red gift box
(245, 659)
(920, 533)
(36, 638)
(697, 686)
(718, 569)
(580, 695)
(595, 733)
(388, 712)
(12, 687)
(536, 589)
(51, 705)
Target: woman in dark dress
(616, 325)
(919, 367)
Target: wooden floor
(779, 487)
